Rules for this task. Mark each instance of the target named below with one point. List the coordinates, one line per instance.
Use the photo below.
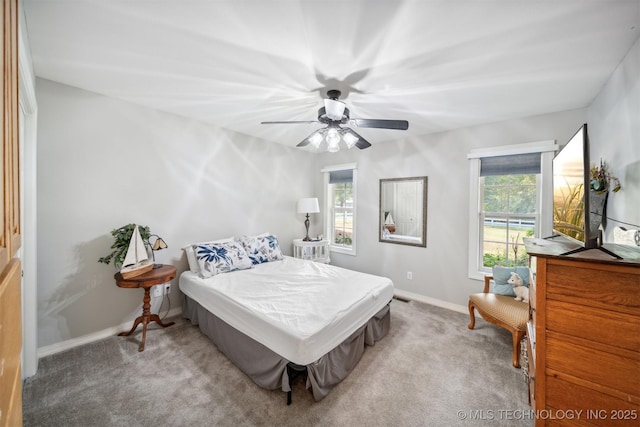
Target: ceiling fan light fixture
(335, 113)
(334, 109)
(333, 141)
(349, 139)
(333, 148)
(315, 139)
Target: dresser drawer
(611, 328)
(596, 407)
(615, 374)
(601, 288)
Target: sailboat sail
(389, 220)
(137, 251)
(136, 261)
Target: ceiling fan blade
(290, 122)
(304, 143)
(363, 143)
(381, 124)
(315, 138)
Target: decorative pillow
(262, 248)
(191, 256)
(502, 274)
(216, 258)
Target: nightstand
(157, 276)
(312, 250)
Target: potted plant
(120, 245)
(601, 179)
(599, 184)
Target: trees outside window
(507, 216)
(340, 202)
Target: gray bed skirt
(268, 369)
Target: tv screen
(570, 200)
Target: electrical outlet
(167, 288)
(157, 291)
(409, 275)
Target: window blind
(510, 165)
(341, 176)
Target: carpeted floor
(429, 371)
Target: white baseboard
(433, 301)
(86, 339)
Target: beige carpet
(429, 371)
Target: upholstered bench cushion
(503, 308)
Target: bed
(283, 317)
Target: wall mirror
(403, 211)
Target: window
(340, 197)
(507, 214)
(510, 199)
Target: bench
(503, 311)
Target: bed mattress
(297, 308)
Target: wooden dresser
(583, 335)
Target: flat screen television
(573, 216)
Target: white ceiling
(438, 64)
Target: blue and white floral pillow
(262, 248)
(216, 258)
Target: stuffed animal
(521, 291)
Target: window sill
(342, 250)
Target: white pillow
(216, 258)
(262, 248)
(191, 256)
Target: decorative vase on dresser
(583, 335)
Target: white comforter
(298, 309)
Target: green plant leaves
(122, 237)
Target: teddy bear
(522, 292)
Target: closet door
(10, 265)
(12, 175)
(6, 129)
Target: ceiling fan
(334, 114)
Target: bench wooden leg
(516, 336)
(472, 316)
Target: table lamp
(157, 245)
(308, 205)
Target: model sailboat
(389, 224)
(136, 261)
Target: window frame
(329, 209)
(544, 196)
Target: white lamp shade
(308, 205)
(334, 109)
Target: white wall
(614, 133)
(104, 163)
(440, 269)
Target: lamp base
(306, 225)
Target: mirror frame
(423, 242)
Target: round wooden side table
(157, 276)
